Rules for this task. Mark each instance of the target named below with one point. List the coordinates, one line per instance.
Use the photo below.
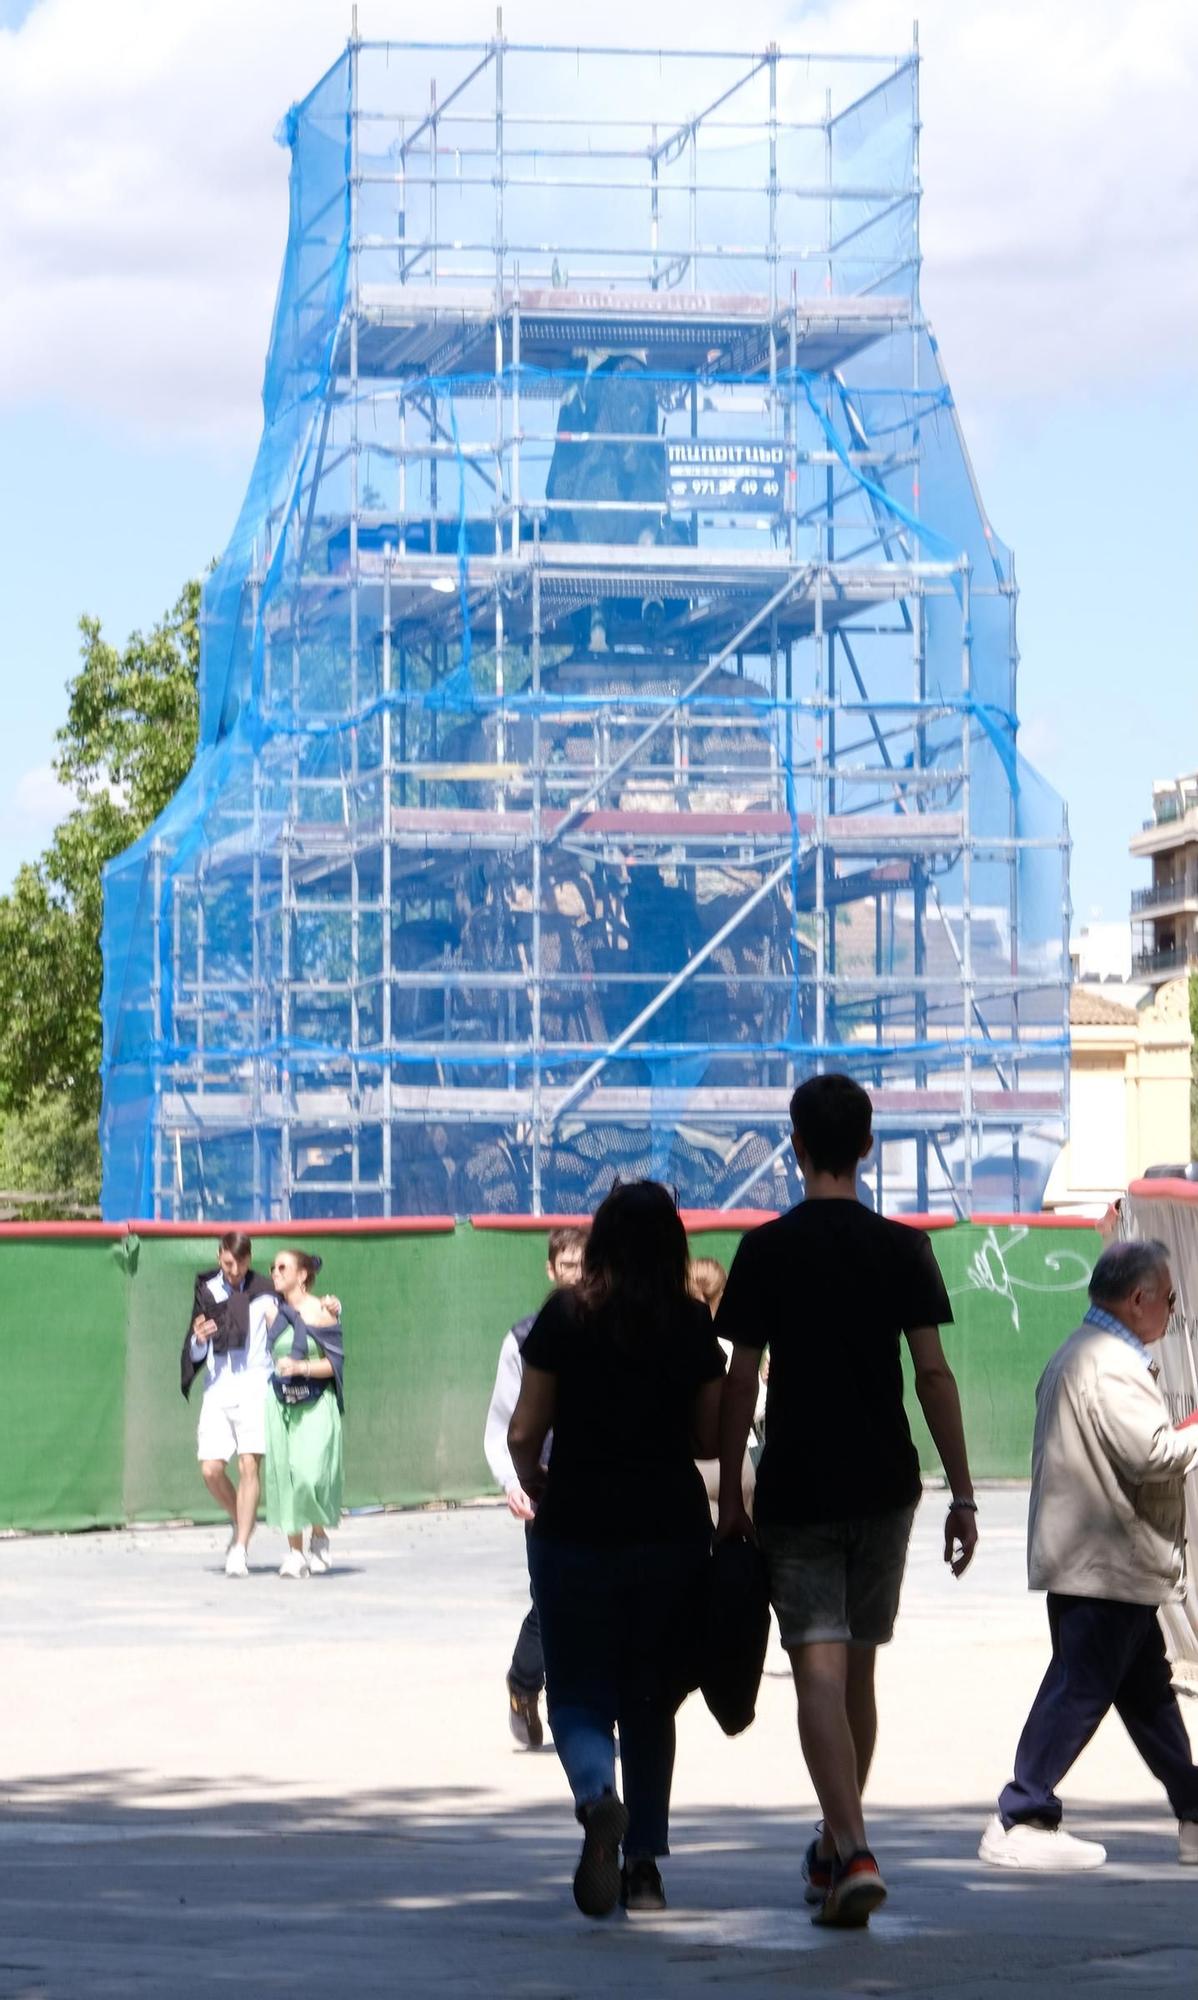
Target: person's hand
(734, 1523)
(960, 1538)
(203, 1329)
(289, 1366)
(518, 1504)
(332, 1304)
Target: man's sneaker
(1047, 1848)
(857, 1891)
(597, 1876)
(641, 1886)
(320, 1555)
(524, 1717)
(816, 1871)
(236, 1563)
(1187, 1843)
(294, 1564)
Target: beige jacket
(1107, 1514)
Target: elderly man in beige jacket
(1106, 1540)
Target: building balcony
(1169, 832)
(1175, 894)
(1168, 964)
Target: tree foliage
(124, 749)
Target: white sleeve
(199, 1351)
(504, 1396)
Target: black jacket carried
(232, 1316)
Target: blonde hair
(706, 1278)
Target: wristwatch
(956, 1506)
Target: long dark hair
(634, 1265)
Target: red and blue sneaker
(856, 1891)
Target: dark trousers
(614, 1623)
(527, 1671)
(1104, 1655)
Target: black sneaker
(857, 1891)
(816, 1871)
(524, 1717)
(597, 1876)
(640, 1885)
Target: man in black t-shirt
(830, 1288)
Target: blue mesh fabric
(525, 844)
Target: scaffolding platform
(445, 330)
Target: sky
(143, 217)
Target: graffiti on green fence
(1010, 1266)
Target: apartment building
(1164, 916)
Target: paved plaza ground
(309, 1789)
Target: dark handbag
(734, 1633)
(293, 1391)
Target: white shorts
(232, 1424)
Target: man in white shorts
(228, 1344)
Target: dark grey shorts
(838, 1580)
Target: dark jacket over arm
(232, 1316)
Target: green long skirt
(304, 1463)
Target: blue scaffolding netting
(608, 694)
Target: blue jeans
(614, 1628)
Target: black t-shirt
(622, 1469)
(829, 1288)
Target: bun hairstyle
(308, 1262)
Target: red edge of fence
(695, 1219)
(113, 1231)
(1170, 1190)
(1048, 1221)
(366, 1225)
(374, 1225)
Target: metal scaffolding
(609, 696)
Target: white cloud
(143, 203)
(31, 809)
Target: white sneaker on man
(236, 1562)
(294, 1564)
(1046, 1848)
(320, 1555)
(1187, 1843)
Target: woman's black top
(622, 1468)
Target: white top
(223, 1371)
(504, 1396)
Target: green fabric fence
(93, 1321)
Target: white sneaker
(294, 1564)
(320, 1555)
(1187, 1843)
(236, 1563)
(1047, 1848)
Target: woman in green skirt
(304, 1463)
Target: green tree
(127, 743)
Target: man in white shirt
(526, 1675)
(227, 1343)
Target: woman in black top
(626, 1372)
